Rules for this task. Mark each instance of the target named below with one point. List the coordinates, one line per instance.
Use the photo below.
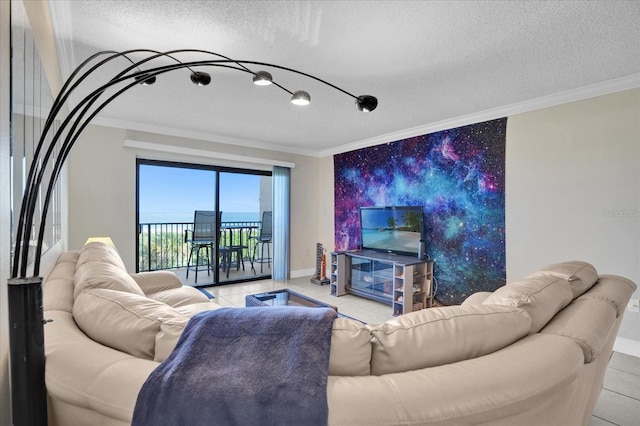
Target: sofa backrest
(591, 319)
(444, 335)
(124, 321)
(57, 295)
(540, 297)
(111, 308)
(350, 348)
(100, 266)
(581, 276)
(487, 322)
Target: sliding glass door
(170, 235)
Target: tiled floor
(619, 402)
(365, 310)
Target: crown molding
(604, 88)
(180, 150)
(209, 137)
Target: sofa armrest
(155, 281)
(103, 383)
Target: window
(168, 194)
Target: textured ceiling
(428, 62)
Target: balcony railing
(164, 246)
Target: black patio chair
(264, 238)
(202, 237)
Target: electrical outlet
(634, 305)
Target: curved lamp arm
(77, 115)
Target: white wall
(102, 189)
(573, 189)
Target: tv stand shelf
(403, 282)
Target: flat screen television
(391, 229)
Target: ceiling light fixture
(366, 103)
(145, 80)
(200, 78)
(262, 78)
(301, 98)
(62, 128)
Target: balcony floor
(235, 274)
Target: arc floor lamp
(26, 319)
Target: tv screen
(394, 229)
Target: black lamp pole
(26, 321)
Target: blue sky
(177, 192)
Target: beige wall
(573, 189)
(102, 189)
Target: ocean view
(176, 217)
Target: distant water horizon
(178, 217)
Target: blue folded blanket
(243, 366)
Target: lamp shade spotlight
(145, 79)
(262, 78)
(301, 98)
(200, 78)
(366, 103)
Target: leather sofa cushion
(100, 252)
(350, 348)
(587, 322)
(155, 281)
(171, 329)
(581, 275)
(541, 297)
(97, 381)
(58, 293)
(65, 265)
(167, 337)
(178, 297)
(476, 298)
(91, 275)
(423, 338)
(124, 321)
(197, 307)
(614, 290)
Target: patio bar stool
(203, 237)
(262, 240)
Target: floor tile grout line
(624, 371)
(605, 420)
(621, 394)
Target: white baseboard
(627, 346)
(303, 273)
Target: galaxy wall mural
(457, 175)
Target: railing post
(148, 247)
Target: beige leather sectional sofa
(533, 352)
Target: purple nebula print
(457, 175)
